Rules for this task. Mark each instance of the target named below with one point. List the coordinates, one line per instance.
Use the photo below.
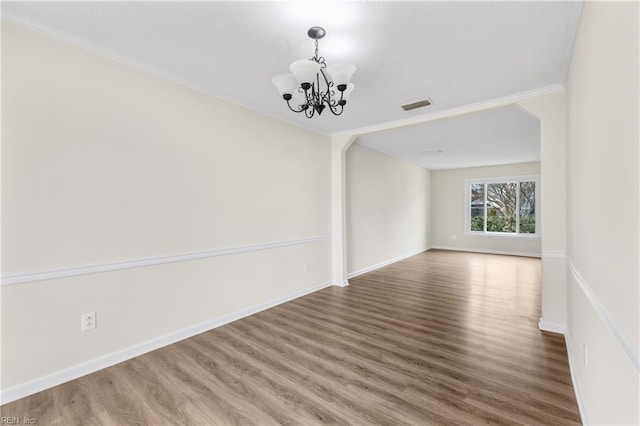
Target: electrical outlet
(306, 268)
(88, 321)
(585, 351)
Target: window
(502, 206)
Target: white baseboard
(487, 251)
(386, 262)
(71, 373)
(559, 254)
(552, 327)
(577, 389)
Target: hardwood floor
(439, 338)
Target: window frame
(502, 179)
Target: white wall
(103, 163)
(448, 211)
(603, 188)
(388, 213)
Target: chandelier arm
(332, 102)
(335, 103)
(335, 109)
(294, 110)
(309, 112)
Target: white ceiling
(497, 136)
(454, 53)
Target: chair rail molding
(28, 277)
(629, 349)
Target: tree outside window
(502, 207)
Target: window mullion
(517, 208)
(485, 207)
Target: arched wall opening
(548, 108)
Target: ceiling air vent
(415, 105)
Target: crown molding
(140, 66)
(453, 112)
(438, 115)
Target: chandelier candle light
(313, 86)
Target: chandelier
(314, 86)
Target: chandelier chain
(319, 59)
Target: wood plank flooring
(439, 338)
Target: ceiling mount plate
(316, 33)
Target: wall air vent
(415, 105)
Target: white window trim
(501, 179)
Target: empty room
(320, 212)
